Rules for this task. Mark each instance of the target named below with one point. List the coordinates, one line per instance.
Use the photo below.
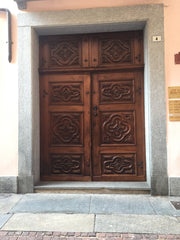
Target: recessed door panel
(65, 127)
(118, 127)
(116, 91)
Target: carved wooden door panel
(65, 127)
(118, 127)
(92, 107)
(112, 50)
(63, 52)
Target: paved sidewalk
(81, 236)
(88, 216)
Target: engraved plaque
(174, 92)
(174, 118)
(174, 106)
(174, 110)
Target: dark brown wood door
(118, 127)
(92, 107)
(65, 127)
(113, 149)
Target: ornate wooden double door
(92, 117)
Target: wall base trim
(174, 186)
(25, 184)
(8, 184)
(159, 185)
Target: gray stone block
(159, 184)
(121, 204)
(137, 224)
(25, 184)
(62, 203)
(174, 186)
(50, 222)
(162, 206)
(8, 184)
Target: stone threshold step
(93, 187)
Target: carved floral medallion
(117, 91)
(118, 128)
(66, 163)
(118, 164)
(65, 94)
(115, 51)
(65, 53)
(65, 128)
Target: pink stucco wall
(172, 46)
(8, 75)
(8, 96)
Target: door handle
(95, 110)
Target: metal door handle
(95, 110)
(44, 93)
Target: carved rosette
(65, 128)
(65, 94)
(118, 164)
(118, 128)
(116, 92)
(65, 53)
(115, 51)
(66, 163)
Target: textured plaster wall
(53, 5)
(8, 95)
(172, 46)
(8, 74)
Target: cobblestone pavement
(8, 235)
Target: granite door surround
(150, 18)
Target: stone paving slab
(50, 222)
(162, 206)
(89, 203)
(121, 204)
(46, 203)
(137, 224)
(7, 201)
(4, 218)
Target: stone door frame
(150, 18)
